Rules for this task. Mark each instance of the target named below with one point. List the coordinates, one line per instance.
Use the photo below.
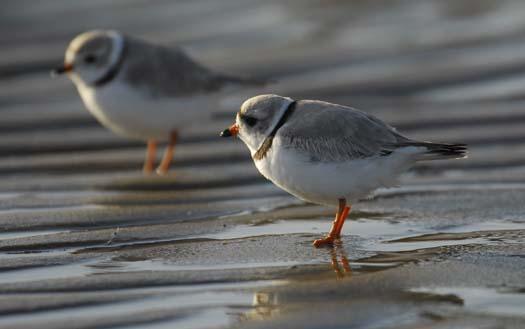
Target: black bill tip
(57, 71)
(61, 70)
(226, 133)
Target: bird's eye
(250, 121)
(90, 58)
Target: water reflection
(341, 267)
(265, 306)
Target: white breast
(131, 113)
(326, 182)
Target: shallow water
(23, 234)
(211, 304)
(485, 300)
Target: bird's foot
(161, 171)
(329, 240)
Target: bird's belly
(131, 114)
(326, 182)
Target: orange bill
(233, 130)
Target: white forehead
(82, 38)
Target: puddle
(16, 211)
(362, 227)
(106, 266)
(26, 234)
(45, 273)
(212, 318)
(210, 304)
(475, 233)
(193, 288)
(376, 235)
(484, 300)
(161, 265)
(33, 253)
(486, 226)
(419, 245)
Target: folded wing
(328, 132)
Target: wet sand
(87, 239)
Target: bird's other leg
(151, 154)
(168, 155)
(337, 225)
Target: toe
(161, 171)
(328, 241)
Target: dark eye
(250, 121)
(90, 58)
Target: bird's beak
(67, 67)
(232, 131)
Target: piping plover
(144, 91)
(327, 153)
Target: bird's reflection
(341, 268)
(265, 305)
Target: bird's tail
(440, 151)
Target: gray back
(163, 71)
(330, 132)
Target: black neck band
(267, 144)
(114, 70)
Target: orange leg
(337, 225)
(151, 154)
(168, 155)
(341, 222)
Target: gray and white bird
(144, 91)
(327, 153)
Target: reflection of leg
(168, 155)
(335, 231)
(151, 153)
(335, 264)
(345, 264)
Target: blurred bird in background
(144, 91)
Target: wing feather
(171, 72)
(329, 132)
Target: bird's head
(91, 55)
(257, 118)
